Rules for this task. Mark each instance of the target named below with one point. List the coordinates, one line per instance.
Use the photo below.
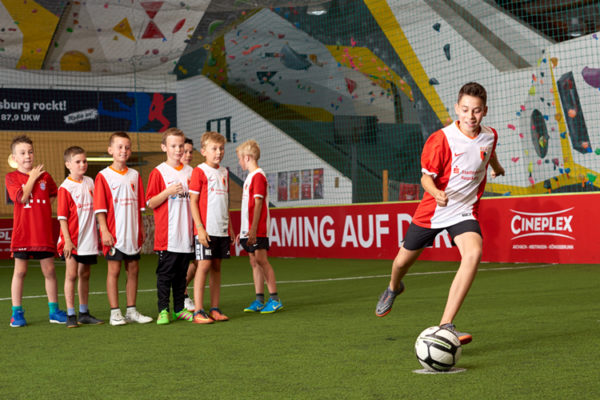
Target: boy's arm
(64, 228)
(258, 203)
(497, 169)
(429, 185)
(34, 174)
(107, 238)
(202, 235)
(160, 198)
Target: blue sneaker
(256, 306)
(58, 317)
(17, 319)
(271, 307)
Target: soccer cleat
(133, 315)
(189, 304)
(183, 315)
(464, 337)
(271, 307)
(17, 320)
(256, 306)
(163, 317)
(72, 321)
(217, 315)
(85, 318)
(386, 300)
(116, 318)
(200, 317)
(58, 317)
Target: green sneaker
(163, 317)
(183, 315)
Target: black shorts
(91, 259)
(418, 237)
(33, 255)
(261, 243)
(118, 255)
(218, 247)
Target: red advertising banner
(549, 229)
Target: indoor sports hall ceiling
(112, 36)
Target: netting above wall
(341, 94)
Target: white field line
(349, 278)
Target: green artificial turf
(535, 331)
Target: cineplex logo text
(553, 223)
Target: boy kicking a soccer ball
(454, 162)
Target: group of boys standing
(193, 232)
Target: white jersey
(458, 165)
(173, 218)
(76, 206)
(212, 187)
(255, 186)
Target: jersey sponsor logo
(456, 170)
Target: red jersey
(255, 186)
(458, 165)
(173, 218)
(212, 187)
(121, 196)
(32, 221)
(76, 206)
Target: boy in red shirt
(31, 189)
(254, 231)
(78, 241)
(168, 196)
(209, 200)
(118, 205)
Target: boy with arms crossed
(118, 205)
(254, 231)
(209, 199)
(454, 164)
(78, 241)
(168, 196)
(31, 189)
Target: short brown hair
(172, 132)
(473, 89)
(249, 148)
(118, 134)
(20, 139)
(72, 152)
(213, 137)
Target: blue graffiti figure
(136, 114)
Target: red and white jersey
(255, 186)
(76, 206)
(121, 196)
(212, 185)
(458, 165)
(173, 218)
(32, 221)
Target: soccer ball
(438, 349)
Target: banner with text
(554, 229)
(78, 110)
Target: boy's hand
(251, 237)
(203, 237)
(175, 189)
(498, 171)
(440, 198)
(68, 250)
(232, 237)
(237, 239)
(107, 238)
(36, 172)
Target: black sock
(260, 297)
(274, 296)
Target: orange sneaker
(217, 315)
(200, 317)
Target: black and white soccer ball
(438, 349)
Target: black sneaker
(72, 321)
(384, 305)
(85, 318)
